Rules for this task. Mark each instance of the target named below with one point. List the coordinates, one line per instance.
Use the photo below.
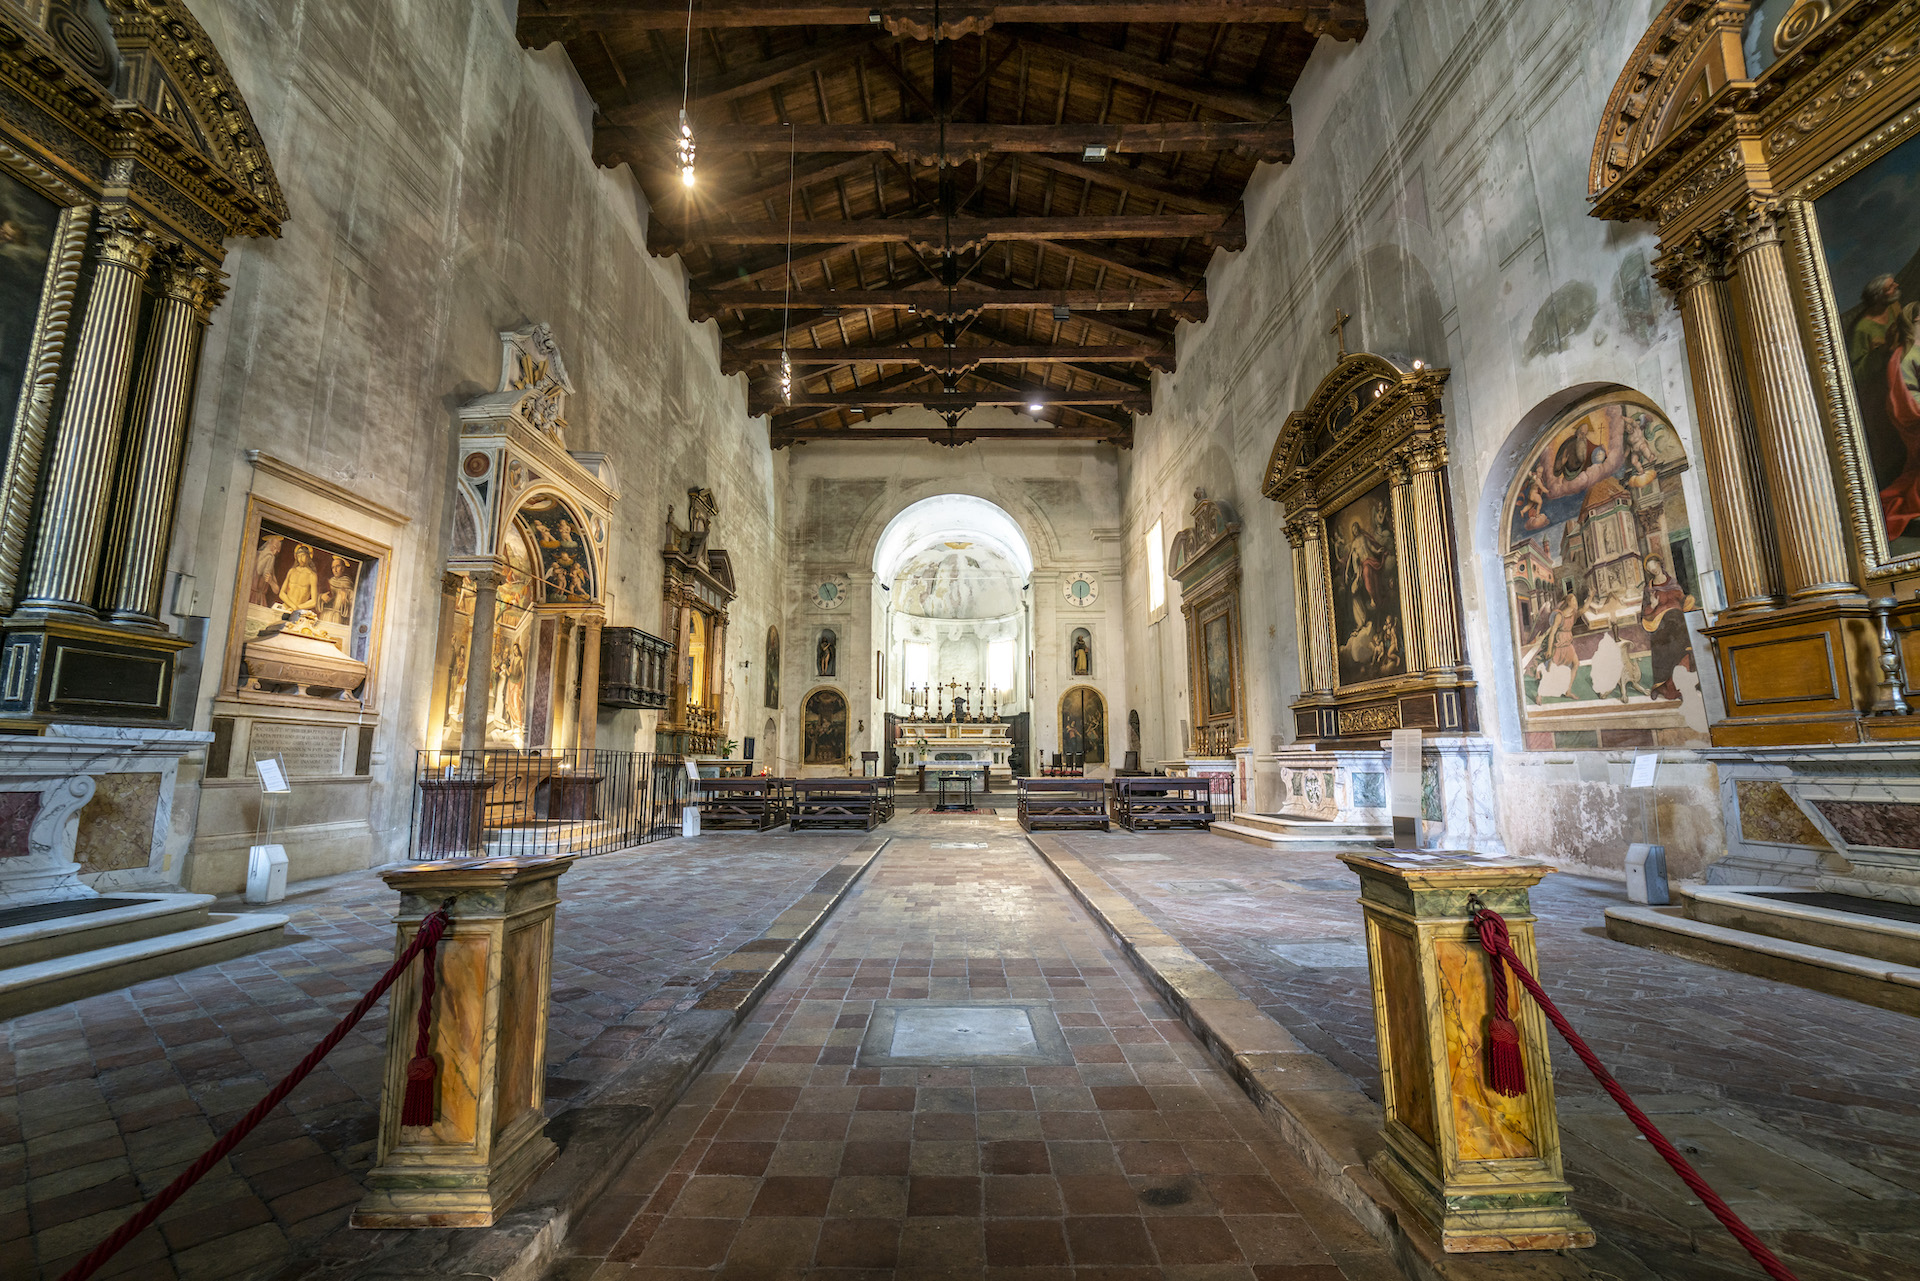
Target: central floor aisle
(960, 1078)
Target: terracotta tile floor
(1138, 1159)
(103, 1101)
(1802, 1108)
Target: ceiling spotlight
(1062, 313)
(1094, 154)
(873, 17)
(684, 150)
(1035, 407)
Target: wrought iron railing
(501, 802)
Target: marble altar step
(145, 936)
(1844, 970)
(1282, 829)
(563, 837)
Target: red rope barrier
(430, 931)
(1492, 928)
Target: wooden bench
(1145, 803)
(755, 803)
(835, 803)
(1063, 802)
(885, 792)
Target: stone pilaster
(142, 520)
(473, 723)
(1693, 273)
(67, 555)
(1440, 641)
(1793, 454)
(589, 685)
(1302, 623)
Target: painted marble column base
(1482, 1170)
(486, 1144)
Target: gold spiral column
(67, 555)
(1440, 643)
(1793, 454)
(1406, 552)
(143, 505)
(1319, 604)
(1694, 273)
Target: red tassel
(1506, 1070)
(417, 1106)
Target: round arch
(945, 517)
(1083, 724)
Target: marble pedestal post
(1482, 1170)
(486, 1143)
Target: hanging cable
(684, 148)
(786, 310)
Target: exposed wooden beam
(932, 234)
(754, 78)
(1165, 275)
(761, 402)
(1341, 19)
(1148, 74)
(1267, 140)
(735, 360)
(1186, 303)
(1127, 179)
(784, 435)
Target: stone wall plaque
(310, 751)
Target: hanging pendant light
(786, 311)
(683, 146)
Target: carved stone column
(150, 462)
(443, 661)
(67, 556)
(1319, 604)
(1302, 626)
(1406, 547)
(473, 723)
(1793, 455)
(1694, 273)
(1440, 643)
(589, 721)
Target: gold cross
(1339, 330)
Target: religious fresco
(1870, 233)
(1081, 647)
(1083, 724)
(772, 696)
(826, 653)
(1600, 573)
(1367, 628)
(957, 580)
(306, 609)
(565, 562)
(1217, 654)
(27, 221)
(825, 717)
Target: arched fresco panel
(1601, 568)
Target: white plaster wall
(1066, 500)
(1439, 196)
(442, 189)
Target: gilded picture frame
(306, 675)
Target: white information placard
(693, 772)
(1645, 766)
(273, 778)
(1405, 780)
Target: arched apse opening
(947, 518)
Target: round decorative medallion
(1081, 590)
(830, 593)
(477, 465)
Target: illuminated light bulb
(1419, 364)
(786, 378)
(1034, 408)
(685, 150)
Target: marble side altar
(1340, 794)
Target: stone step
(1796, 919)
(1823, 969)
(91, 926)
(59, 979)
(1277, 829)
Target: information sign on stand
(1647, 860)
(267, 858)
(1404, 788)
(690, 812)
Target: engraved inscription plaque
(309, 750)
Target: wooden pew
(835, 803)
(755, 803)
(1147, 803)
(1063, 802)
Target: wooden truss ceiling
(953, 244)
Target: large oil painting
(1217, 650)
(1601, 568)
(826, 727)
(306, 610)
(1083, 724)
(27, 221)
(1367, 627)
(1870, 231)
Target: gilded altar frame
(1360, 471)
(1727, 156)
(1205, 560)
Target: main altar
(955, 741)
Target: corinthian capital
(1755, 223)
(126, 240)
(1689, 263)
